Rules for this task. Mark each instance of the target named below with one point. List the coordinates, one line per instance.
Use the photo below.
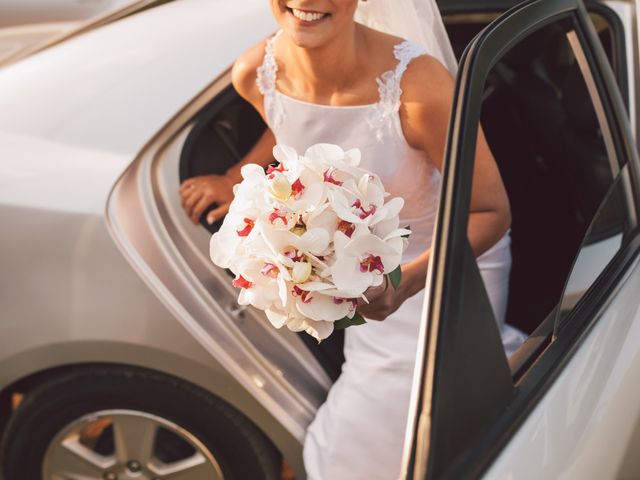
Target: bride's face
(313, 23)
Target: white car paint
(14, 40)
(625, 11)
(582, 425)
(140, 76)
(33, 171)
(22, 12)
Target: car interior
(540, 124)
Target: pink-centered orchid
(361, 261)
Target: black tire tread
(54, 393)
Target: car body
(29, 26)
(114, 315)
(37, 11)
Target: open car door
(541, 83)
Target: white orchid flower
(362, 261)
(301, 271)
(308, 192)
(279, 187)
(351, 208)
(257, 287)
(323, 155)
(229, 241)
(385, 223)
(286, 156)
(293, 185)
(296, 322)
(317, 329)
(289, 247)
(320, 301)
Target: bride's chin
(308, 39)
(309, 36)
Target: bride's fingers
(371, 314)
(370, 310)
(372, 294)
(200, 207)
(190, 199)
(217, 213)
(189, 185)
(381, 303)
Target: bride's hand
(198, 193)
(383, 301)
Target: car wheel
(114, 422)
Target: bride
(326, 78)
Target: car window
(465, 22)
(608, 233)
(544, 122)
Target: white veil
(416, 20)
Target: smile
(307, 16)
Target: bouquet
(309, 236)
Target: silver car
(123, 352)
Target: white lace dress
(358, 432)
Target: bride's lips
(306, 17)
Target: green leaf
(345, 322)
(395, 277)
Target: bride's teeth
(306, 16)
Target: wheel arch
(26, 369)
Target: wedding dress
(358, 432)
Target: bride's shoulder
(245, 70)
(426, 101)
(426, 83)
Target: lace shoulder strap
(389, 85)
(404, 53)
(266, 81)
(266, 73)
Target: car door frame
(444, 382)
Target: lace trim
(381, 121)
(266, 81)
(389, 91)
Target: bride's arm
(426, 107)
(243, 78)
(198, 193)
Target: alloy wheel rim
(122, 444)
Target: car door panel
(445, 442)
(582, 425)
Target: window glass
(605, 237)
(462, 26)
(545, 126)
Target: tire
(242, 452)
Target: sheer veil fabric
(416, 20)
